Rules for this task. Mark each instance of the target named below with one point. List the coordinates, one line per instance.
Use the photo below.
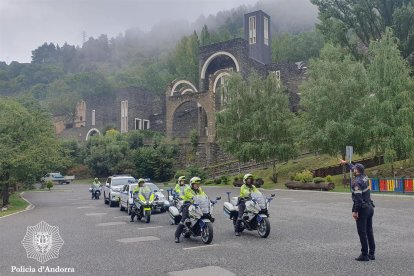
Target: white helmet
(248, 175)
(195, 179)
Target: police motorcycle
(256, 214)
(143, 205)
(96, 192)
(176, 203)
(200, 221)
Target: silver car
(126, 197)
(113, 188)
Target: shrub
(318, 179)
(304, 176)
(209, 181)
(258, 182)
(49, 184)
(224, 180)
(238, 181)
(329, 178)
(179, 173)
(217, 180)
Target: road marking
(95, 214)
(153, 227)
(123, 217)
(139, 239)
(111, 223)
(205, 271)
(85, 207)
(298, 201)
(72, 199)
(201, 246)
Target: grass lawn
(16, 204)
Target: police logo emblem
(42, 242)
(356, 188)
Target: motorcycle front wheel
(147, 216)
(207, 233)
(264, 228)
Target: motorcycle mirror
(273, 195)
(218, 198)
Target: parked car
(57, 178)
(160, 203)
(126, 197)
(113, 188)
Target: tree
(301, 47)
(256, 122)
(185, 58)
(333, 102)
(391, 102)
(351, 22)
(104, 153)
(28, 145)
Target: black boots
(177, 240)
(362, 258)
(371, 257)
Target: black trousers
(242, 207)
(365, 232)
(184, 216)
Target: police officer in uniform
(189, 193)
(362, 211)
(245, 192)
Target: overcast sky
(27, 24)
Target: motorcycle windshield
(259, 198)
(147, 195)
(203, 202)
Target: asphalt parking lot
(312, 233)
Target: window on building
(124, 116)
(138, 123)
(276, 75)
(146, 124)
(266, 31)
(252, 29)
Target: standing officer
(362, 211)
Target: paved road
(312, 234)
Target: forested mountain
(149, 60)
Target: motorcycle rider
(180, 187)
(96, 184)
(139, 189)
(245, 192)
(189, 193)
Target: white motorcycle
(200, 221)
(174, 211)
(255, 216)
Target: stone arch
(92, 132)
(179, 82)
(217, 77)
(203, 99)
(212, 57)
(220, 96)
(189, 115)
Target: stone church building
(186, 107)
